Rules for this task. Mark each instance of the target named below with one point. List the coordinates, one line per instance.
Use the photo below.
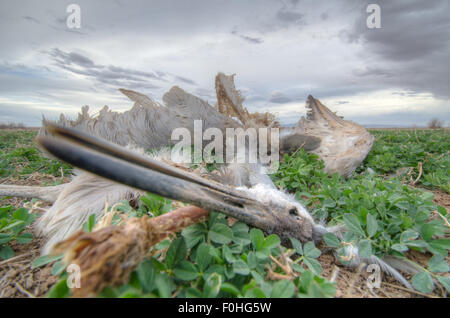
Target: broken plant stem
(420, 173)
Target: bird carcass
(108, 255)
(149, 125)
(341, 144)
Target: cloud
(410, 48)
(185, 80)
(31, 19)
(252, 40)
(279, 98)
(281, 51)
(112, 75)
(288, 17)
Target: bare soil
(19, 279)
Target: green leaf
(257, 238)
(416, 243)
(130, 293)
(438, 264)
(240, 233)
(255, 293)
(271, 241)
(24, 238)
(220, 233)
(314, 286)
(163, 244)
(228, 255)
(297, 268)
(442, 243)
(203, 257)
(310, 250)
(444, 281)
(353, 224)
(21, 214)
(331, 240)
(400, 248)
(427, 231)
(13, 225)
(5, 238)
(46, 259)
(146, 274)
(442, 210)
(60, 290)
(89, 224)
(212, 285)
(229, 288)
(186, 271)
(240, 267)
(216, 268)
(408, 236)
(257, 277)
(164, 285)
(252, 260)
(283, 289)
(423, 282)
(194, 234)
(372, 225)
(313, 265)
(437, 249)
(58, 268)
(176, 252)
(296, 245)
(6, 252)
(193, 293)
(365, 248)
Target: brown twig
(277, 276)
(286, 269)
(420, 173)
(409, 290)
(334, 274)
(286, 261)
(14, 258)
(24, 291)
(442, 217)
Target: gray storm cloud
(281, 51)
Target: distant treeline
(12, 126)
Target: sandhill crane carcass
(342, 145)
(260, 205)
(253, 199)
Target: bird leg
(108, 256)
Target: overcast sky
(281, 51)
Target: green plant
(12, 228)
(383, 216)
(405, 149)
(19, 157)
(212, 259)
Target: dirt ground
(18, 279)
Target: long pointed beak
(121, 165)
